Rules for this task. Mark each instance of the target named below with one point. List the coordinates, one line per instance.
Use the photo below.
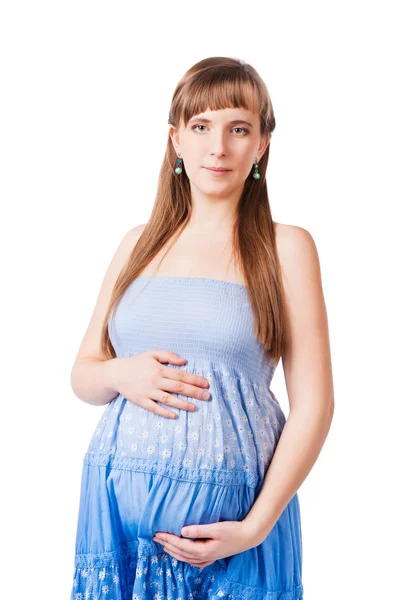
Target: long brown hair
(217, 83)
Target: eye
(195, 126)
(241, 128)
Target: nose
(218, 143)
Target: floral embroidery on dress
(160, 576)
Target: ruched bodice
(229, 438)
(203, 320)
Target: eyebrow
(235, 122)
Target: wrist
(111, 374)
(254, 531)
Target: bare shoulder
(138, 230)
(123, 252)
(90, 346)
(291, 238)
(297, 252)
(132, 236)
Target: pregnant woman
(189, 483)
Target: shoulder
(292, 237)
(123, 252)
(133, 235)
(297, 252)
(129, 241)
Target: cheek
(193, 162)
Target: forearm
(299, 446)
(92, 380)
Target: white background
(86, 89)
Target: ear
(263, 145)
(174, 135)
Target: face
(228, 138)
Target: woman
(185, 495)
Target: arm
(308, 374)
(92, 376)
(92, 380)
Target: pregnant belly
(122, 505)
(214, 436)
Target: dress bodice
(209, 322)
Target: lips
(217, 169)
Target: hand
(144, 380)
(225, 538)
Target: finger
(185, 389)
(191, 562)
(149, 404)
(189, 547)
(184, 376)
(166, 356)
(182, 545)
(171, 400)
(182, 551)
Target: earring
(179, 161)
(255, 174)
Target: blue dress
(144, 473)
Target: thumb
(166, 356)
(198, 531)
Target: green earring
(179, 161)
(256, 174)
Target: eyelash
(243, 128)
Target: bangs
(216, 90)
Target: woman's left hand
(223, 539)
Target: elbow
(331, 408)
(72, 380)
(329, 414)
(75, 381)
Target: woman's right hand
(145, 381)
